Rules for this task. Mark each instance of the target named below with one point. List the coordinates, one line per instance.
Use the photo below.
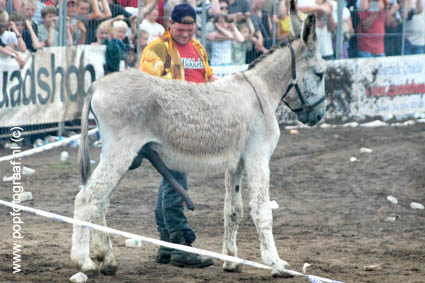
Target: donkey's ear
(309, 36)
(296, 22)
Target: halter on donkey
(227, 125)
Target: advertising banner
(50, 87)
(387, 88)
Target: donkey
(228, 125)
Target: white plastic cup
(38, 143)
(366, 150)
(274, 204)
(392, 199)
(133, 243)
(64, 156)
(25, 196)
(8, 179)
(27, 171)
(79, 278)
(416, 205)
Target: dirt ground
(332, 212)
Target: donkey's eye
(320, 74)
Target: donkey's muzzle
(312, 117)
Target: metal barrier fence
(344, 37)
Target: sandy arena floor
(331, 213)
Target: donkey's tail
(83, 152)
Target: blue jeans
(410, 49)
(169, 211)
(363, 54)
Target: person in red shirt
(373, 16)
(176, 55)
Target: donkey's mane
(272, 50)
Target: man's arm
(95, 13)
(82, 28)
(227, 34)
(235, 17)
(36, 44)
(17, 4)
(368, 22)
(51, 37)
(149, 7)
(21, 44)
(250, 24)
(106, 10)
(237, 36)
(215, 8)
(331, 23)
(8, 51)
(390, 14)
(69, 39)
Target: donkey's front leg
(233, 213)
(258, 176)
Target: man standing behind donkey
(177, 56)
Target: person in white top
(415, 28)
(9, 41)
(221, 40)
(154, 29)
(325, 26)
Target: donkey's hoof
(280, 269)
(232, 267)
(90, 269)
(108, 269)
(281, 274)
(92, 273)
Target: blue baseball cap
(184, 14)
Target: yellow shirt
(161, 58)
(285, 24)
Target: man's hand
(13, 27)
(28, 23)
(327, 8)
(236, 17)
(19, 59)
(52, 24)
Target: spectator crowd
(237, 31)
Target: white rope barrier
(128, 235)
(45, 147)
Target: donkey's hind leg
(103, 247)
(90, 205)
(233, 213)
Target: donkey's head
(306, 93)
